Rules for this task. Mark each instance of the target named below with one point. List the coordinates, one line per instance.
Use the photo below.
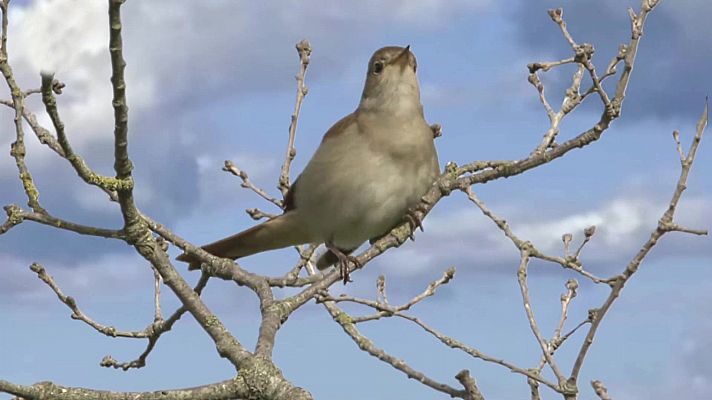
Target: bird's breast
(361, 182)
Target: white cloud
(171, 51)
(619, 224)
(174, 58)
(465, 237)
(72, 41)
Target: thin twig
(557, 15)
(304, 49)
(77, 313)
(87, 174)
(600, 390)
(154, 332)
(344, 320)
(557, 339)
(456, 344)
(349, 327)
(248, 184)
(587, 235)
(16, 215)
(257, 214)
(567, 263)
(522, 279)
(386, 310)
(470, 385)
(17, 149)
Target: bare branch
(601, 390)
(304, 49)
(456, 344)
(42, 133)
(568, 262)
(247, 183)
(671, 227)
(557, 15)
(557, 339)
(257, 214)
(587, 235)
(84, 172)
(470, 385)
(634, 264)
(522, 278)
(678, 145)
(77, 313)
(225, 390)
(536, 82)
(137, 225)
(381, 295)
(14, 218)
(157, 280)
(386, 310)
(17, 149)
(16, 215)
(346, 323)
(153, 333)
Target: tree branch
(77, 313)
(154, 332)
(84, 172)
(634, 264)
(225, 390)
(304, 49)
(247, 183)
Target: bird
(366, 177)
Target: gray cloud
(671, 77)
(180, 72)
(180, 69)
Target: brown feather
(282, 231)
(340, 126)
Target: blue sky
(215, 82)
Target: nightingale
(367, 175)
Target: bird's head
(391, 83)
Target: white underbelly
(360, 195)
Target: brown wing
(340, 126)
(289, 203)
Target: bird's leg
(412, 218)
(344, 260)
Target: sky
(215, 81)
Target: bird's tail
(282, 231)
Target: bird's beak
(402, 58)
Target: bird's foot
(413, 220)
(344, 260)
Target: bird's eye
(377, 67)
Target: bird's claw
(344, 260)
(414, 221)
